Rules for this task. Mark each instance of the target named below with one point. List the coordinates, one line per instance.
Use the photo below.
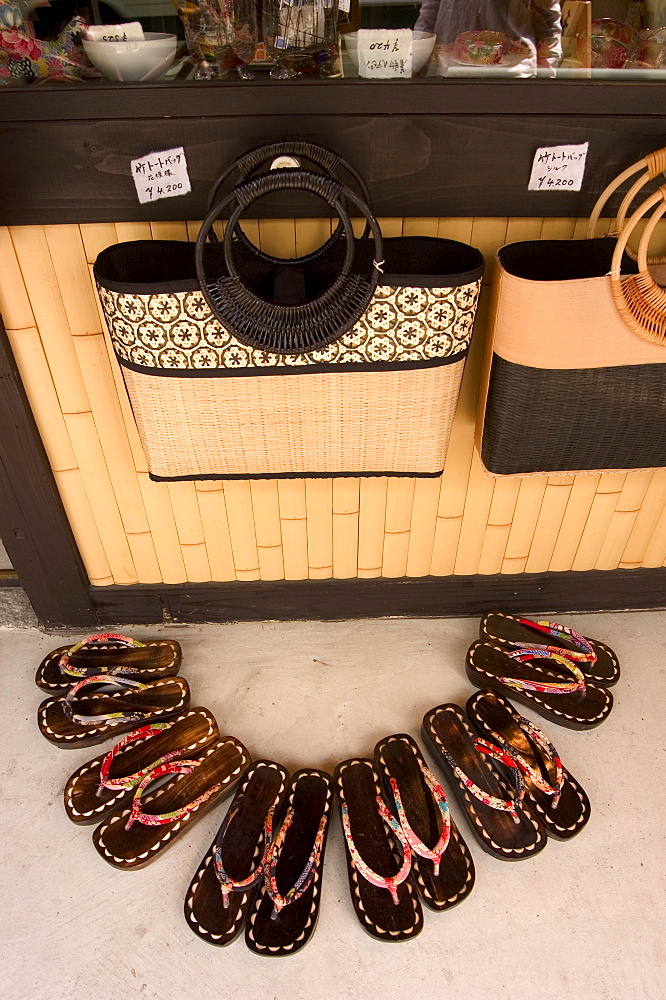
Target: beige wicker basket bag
(347, 362)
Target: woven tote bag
(346, 362)
(575, 375)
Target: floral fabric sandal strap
(546, 686)
(585, 654)
(302, 883)
(390, 882)
(130, 780)
(548, 751)
(162, 768)
(597, 661)
(227, 884)
(492, 801)
(435, 853)
(70, 671)
(561, 804)
(111, 718)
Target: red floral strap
(130, 780)
(548, 751)
(524, 655)
(586, 653)
(492, 801)
(435, 853)
(304, 880)
(159, 770)
(227, 884)
(390, 882)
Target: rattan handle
(305, 326)
(652, 165)
(324, 186)
(319, 156)
(640, 300)
(248, 164)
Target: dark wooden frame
(92, 131)
(426, 147)
(33, 523)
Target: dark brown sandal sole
(492, 713)
(559, 708)
(358, 783)
(489, 825)
(156, 658)
(222, 763)
(192, 731)
(397, 757)
(161, 699)
(263, 787)
(503, 629)
(310, 794)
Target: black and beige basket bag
(346, 362)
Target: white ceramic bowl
(423, 43)
(133, 61)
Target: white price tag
(161, 175)
(384, 53)
(130, 32)
(558, 168)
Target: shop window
(209, 40)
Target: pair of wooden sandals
(106, 685)
(137, 820)
(401, 843)
(506, 774)
(560, 674)
(263, 869)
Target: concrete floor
(581, 920)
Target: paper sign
(384, 53)
(130, 32)
(558, 168)
(161, 175)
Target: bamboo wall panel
(293, 528)
(132, 530)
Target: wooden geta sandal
(488, 785)
(218, 898)
(442, 865)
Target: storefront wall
(130, 530)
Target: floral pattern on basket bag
(177, 330)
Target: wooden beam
(33, 524)
(425, 597)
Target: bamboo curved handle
(652, 164)
(641, 302)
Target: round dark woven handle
(307, 326)
(255, 159)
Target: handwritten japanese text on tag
(558, 168)
(161, 175)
